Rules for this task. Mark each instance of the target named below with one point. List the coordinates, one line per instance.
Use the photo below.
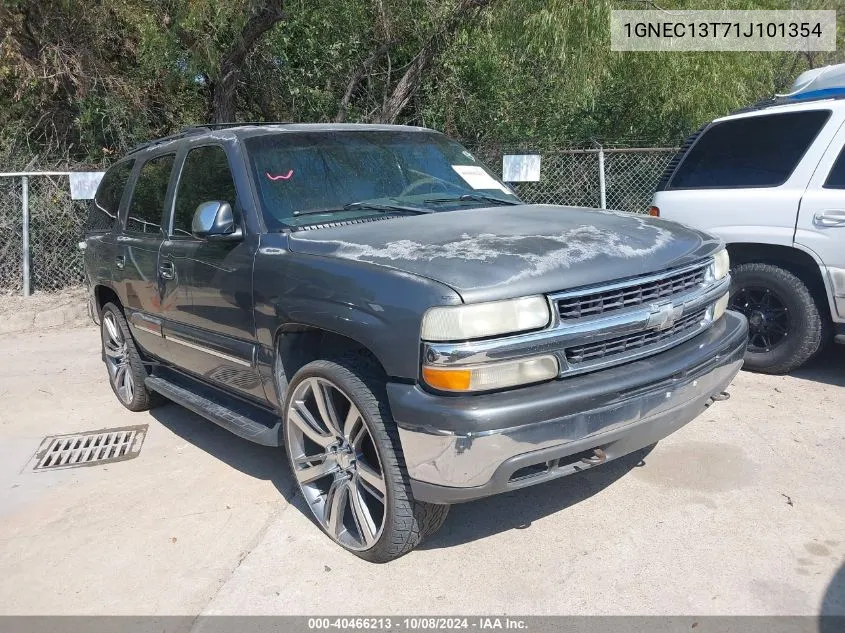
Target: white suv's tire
(786, 327)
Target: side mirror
(214, 220)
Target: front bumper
(459, 448)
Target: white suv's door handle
(829, 217)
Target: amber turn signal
(653, 211)
(447, 379)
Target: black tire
(804, 323)
(141, 398)
(405, 521)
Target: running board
(238, 417)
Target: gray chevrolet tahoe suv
(373, 299)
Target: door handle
(167, 270)
(829, 217)
(120, 261)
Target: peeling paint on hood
(499, 252)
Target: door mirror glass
(214, 220)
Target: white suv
(770, 181)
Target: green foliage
(544, 70)
(81, 81)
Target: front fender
(378, 307)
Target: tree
(81, 81)
(268, 14)
(396, 96)
(414, 76)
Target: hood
(510, 251)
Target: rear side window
(836, 177)
(760, 151)
(206, 176)
(677, 158)
(147, 206)
(102, 212)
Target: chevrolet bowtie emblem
(664, 316)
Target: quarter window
(102, 212)
(206, 176)
(147, 206)
(758, 151)
(836, 177)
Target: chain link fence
(623, 178)
(613, 178)
(54, 227)
(631, 176)
(11, 227)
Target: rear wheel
(785, 325)
(123, 361)
(345, 454)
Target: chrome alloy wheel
(336, 463)
(117, 359)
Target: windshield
(319, 177)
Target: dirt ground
(40, 301)
(740, 512)
(43, 310)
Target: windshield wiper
(377, 206)
(366, 206)
(473, 197)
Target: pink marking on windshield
(286, 176)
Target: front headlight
(481, 320)
(721, 264)
(491, 376)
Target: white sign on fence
(521, 167)
(83, 184)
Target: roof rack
(203, 127)
(164, 139)
(199, 129)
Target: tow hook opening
(569, 463)
(598, 456)
(717, 397)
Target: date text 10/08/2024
(416, 623)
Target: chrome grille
(637, 293)
(622, 344)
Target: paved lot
(741, 512)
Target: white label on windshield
(477, 178)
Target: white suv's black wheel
(344, 452)
(785, 326)
(123, 362)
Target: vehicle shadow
(466, 522)
(828, 367)
(261, 462)
(832, 610)
(519, 509)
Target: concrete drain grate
(90, 449)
